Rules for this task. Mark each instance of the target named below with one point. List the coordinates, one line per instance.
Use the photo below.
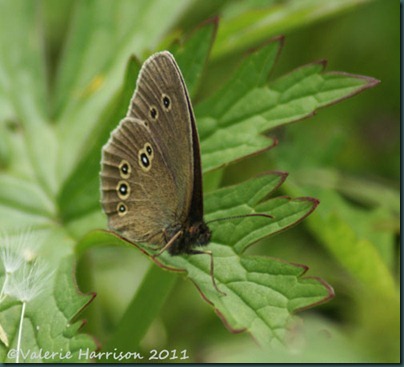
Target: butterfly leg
(169, 243)
(207, 252)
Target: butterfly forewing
(161, 99)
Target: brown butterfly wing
(138, 188)
(196, 205)
(141, 204)
(161, 98)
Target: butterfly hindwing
(139, 193)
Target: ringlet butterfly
(151, 178)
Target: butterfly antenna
(242, 216)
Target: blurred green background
(347, 156)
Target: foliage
(58, 106)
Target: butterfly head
(194, 234)
(199, 234)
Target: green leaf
(360, 232)
(245, 199)
(23, 86)
(85, 177)
(193, 57)
(25, 196)
(90, 73)
(251, 74)
(261, 293)
(246, 107)
(365, 191)
(353, 237)
(250, 22)
(134, 324)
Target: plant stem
(20, 333)
(142, 310)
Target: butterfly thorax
(194, 234)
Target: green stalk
(141, 312)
